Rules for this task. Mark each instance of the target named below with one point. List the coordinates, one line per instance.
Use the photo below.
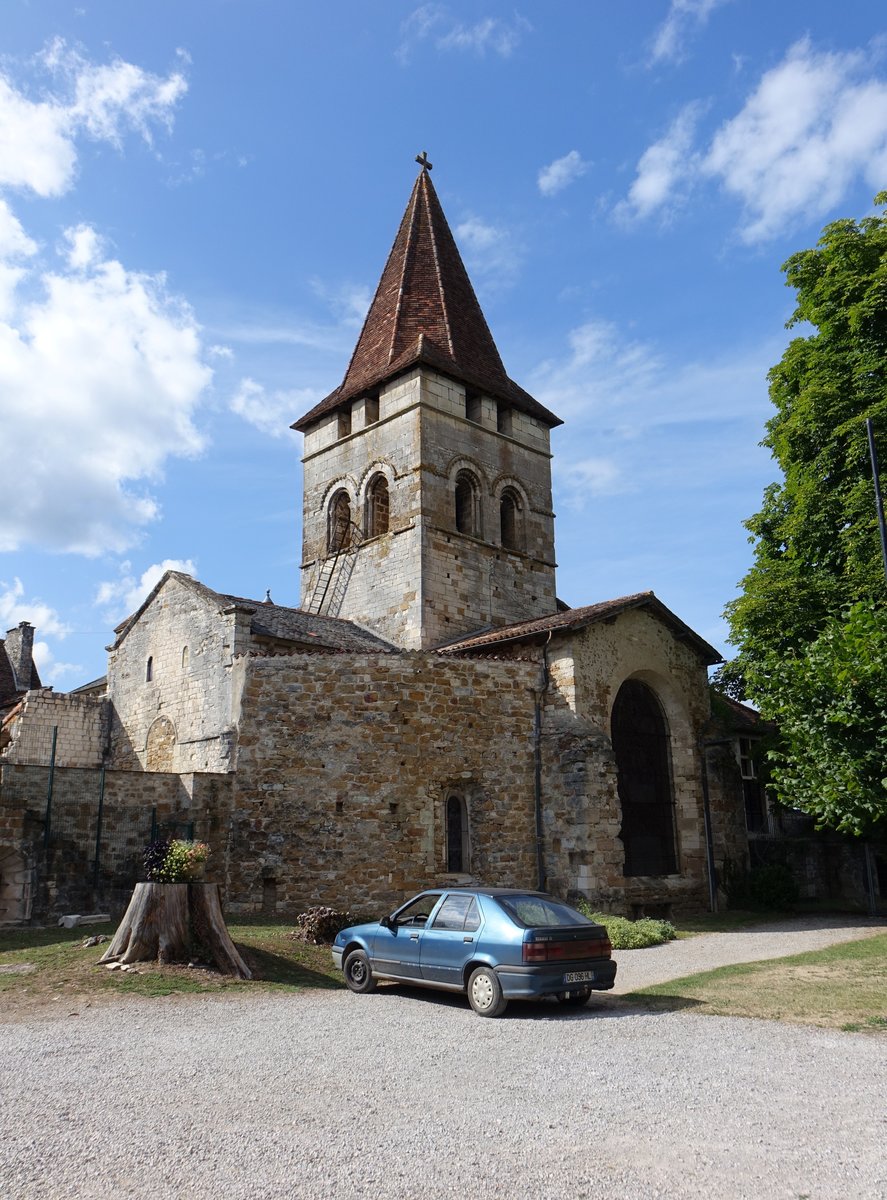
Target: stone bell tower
(427, 508)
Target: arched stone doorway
(643, 761)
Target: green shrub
(631, 935)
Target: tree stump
(164, 919)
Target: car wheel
(485, 993)
(574, 999)
(358, 976)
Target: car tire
(574, 999)
(358, 975)
(485, 993)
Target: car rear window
(457, 912)
(533, 911)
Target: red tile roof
(578, 618)
(425, 312)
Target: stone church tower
(427, 495)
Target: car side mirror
(389, 922)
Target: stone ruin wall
(38, 881)
(81, 723)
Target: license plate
(579, 977)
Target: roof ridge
(440, 287)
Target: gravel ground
(406, 1094)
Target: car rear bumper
(528, 982)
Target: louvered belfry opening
(643, 760)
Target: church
(431, 714)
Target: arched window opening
(339, 523)
(466, 504)
(457, 835)
(149, 669)
(510, 520)
(184, 658)
(643, 763)
(377, 507)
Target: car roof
(491, 891)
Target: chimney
(19, 647)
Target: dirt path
(776, 939)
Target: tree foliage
(817, 550)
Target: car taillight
(538, 952)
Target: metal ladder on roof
(334, 576)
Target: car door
(448, 942)
(397, 947)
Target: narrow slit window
(149, 669)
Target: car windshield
(533, 911)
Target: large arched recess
(641, 744)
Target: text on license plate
(579, 977)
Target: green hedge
(632, 935)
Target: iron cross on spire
(422, 160)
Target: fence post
(98, 832)
(48, 818)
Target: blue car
(495, 944)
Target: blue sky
(196, 202)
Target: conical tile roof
(425, 312)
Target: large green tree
(816, 542)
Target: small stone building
(431, 713)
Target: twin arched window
(377, 507)
(511, 520)
(338, 535)
(467, 504)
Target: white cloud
(814, 124)
(641, 422)
(490, 252)
(491, 33)
(123, 596)
(578, 480)
(662, 169)
(435, 22)
(51, 670)
(561, 173)
(684, 17)
(84, 247)
(100, 374)
(272, 412)
(15, 608)
(37, 137)
(100, 367)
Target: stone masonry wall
(639, 646)
(423, 583)
(180, 719)
(344, 766)
(81, 723)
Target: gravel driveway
(404, 1094)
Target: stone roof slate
(573, 619)
(277, 621)
(425, 312)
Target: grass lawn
(842, 987)
(51, 968)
